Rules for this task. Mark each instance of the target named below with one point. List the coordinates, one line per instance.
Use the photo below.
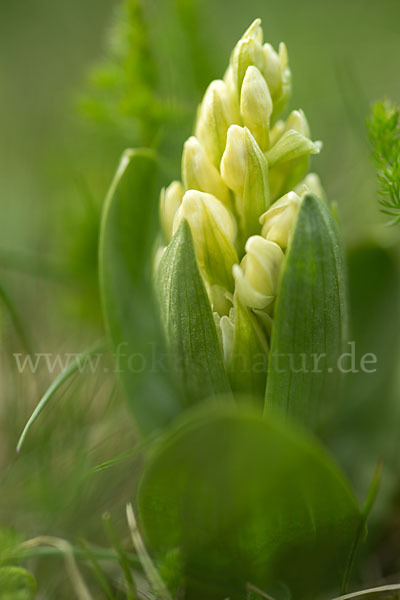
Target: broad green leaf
(126, 241)
(248, 500)
(309, 330)
(194, 350)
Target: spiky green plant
(384, 134)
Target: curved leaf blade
(310, 322)
(195, 354)
(125, 253)
(266, 506)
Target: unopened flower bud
(288, 156)
(291, 145)
(226, 332)
(277, 74)
(218, 110)
(257, 277)
(221, 300)
(245, 170)
(279, 220)
(276, 132)
(247, 52)
(198, 172)
(311, 183)
(254, 32)
(213, 230)
(228, 80)
(170, 200)
(297, 120)
(256, 106)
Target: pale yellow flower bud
(288, 156)
(221, 300)
(226, 332)
(277, 74)
(297, 121)
(170, 200)
(247, 52)
(291, 145)
(254, 32)
(257, 277)
(198, 172)
(272, 70)
(228, 80)
(276, 132)
(311, 183)
(234, 160)
(256, 106)
(279, 221)
(213, 230)
(245, 170)
(218, 110)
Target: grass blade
(75, 366)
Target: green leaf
(247, 500)
(77, 365)
(247, 366)
(126, 239)
(194, 350)
(309, 330)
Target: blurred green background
(76, 90)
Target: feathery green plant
(123, 90)
(384, 134)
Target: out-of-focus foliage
(123, 97)
(365, 429)
(248, 500)
(126, 289)
(384, 134)
(16, 583)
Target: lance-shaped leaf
(126, 289)
(194, 350)
(247, 499)
(309, 328)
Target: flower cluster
(243, 178)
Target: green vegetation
(190, 454)
(384, 133)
